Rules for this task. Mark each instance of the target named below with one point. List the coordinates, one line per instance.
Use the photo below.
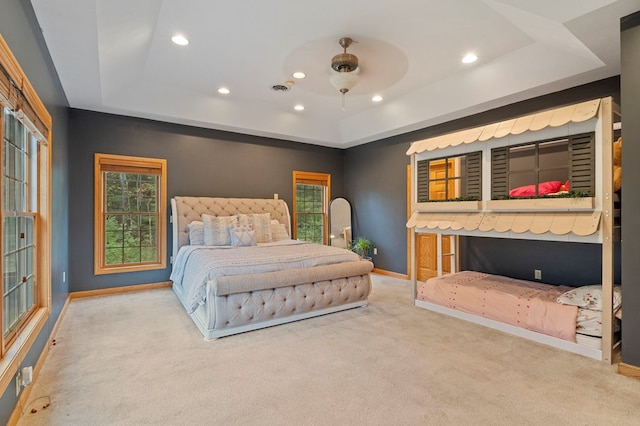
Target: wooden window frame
(17, 94)
(580, 166)
(313, 178)
(24, 210)
(110, 162)
(471, 180)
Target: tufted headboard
(185, 210)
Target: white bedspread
(195, 265)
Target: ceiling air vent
(282, 87)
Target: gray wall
(376, 187)
(570, 264)
(630, 87)
(21, 31)
(200, 162)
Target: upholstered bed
(269, 279)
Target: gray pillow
(196, 233)
(242, 235)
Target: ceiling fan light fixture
(344, 64)
(344, 81)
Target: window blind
(19, 95)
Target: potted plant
(363, 247)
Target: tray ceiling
(116, 56)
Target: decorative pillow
(242, 235)
(549, 187)
(196, 233)
(590, 297)
(260, 223)
(216, 229)
(279, 232)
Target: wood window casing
(580, 165)
(317, 179)
(462, 178)
(19, 98)
(108, 165)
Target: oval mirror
(340, 223)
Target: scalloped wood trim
(580, 223)
(549, 118)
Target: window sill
(542, 204)
(122, 269)
(20, 347)
(448, 206)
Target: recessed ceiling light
(469, 58)
(223, 90)
(299, 107)
(299, 74)
(180, 40)
(377, 98)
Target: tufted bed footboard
(263, 293)
(231, 312)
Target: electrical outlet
(375, 250)
(27, 375)
(275, 196)
(537, 274)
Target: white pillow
(590, 297)
(279, 232)
(216, 229)
(242, 235)
(260, 223)
(196, 233)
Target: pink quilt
(520, 303)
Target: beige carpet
(138, 359)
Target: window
(130, 218)
(538, 162)
(311, 192)
(25, 126)
(543, 167)
(450, 178)
(18, 226)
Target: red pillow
(549, 187)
